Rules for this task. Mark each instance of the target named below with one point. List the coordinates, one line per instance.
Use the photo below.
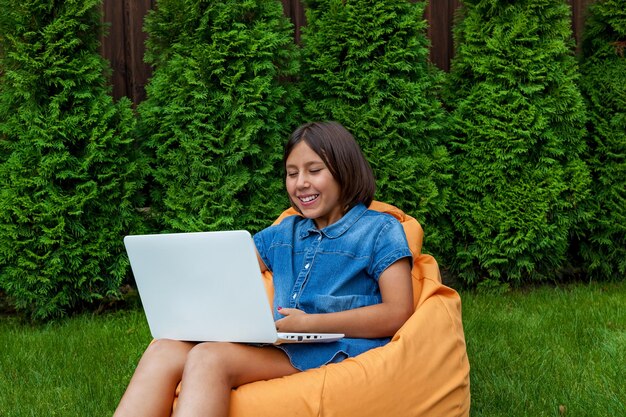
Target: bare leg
(214, 369)
(152, 387)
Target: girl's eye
(314, 170)
(292, 174)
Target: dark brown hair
(343, 157)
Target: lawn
(78, 367)
(549, 351)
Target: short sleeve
(390, 246)
(262, 241)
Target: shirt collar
(339, 227)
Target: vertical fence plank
(579, 14)
(136, 11)
(112, 45)
(294, 9)
(124, 47)
(440, 17)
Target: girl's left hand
(292, 322)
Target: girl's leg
(214, 369)
(152, 387)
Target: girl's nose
(303, 181)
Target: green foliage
(67, 161)
(366, 65)
(520, 184)
(603, 84)
(218, 111)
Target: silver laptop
(206, 286)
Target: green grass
(78, 367)
(530, 352)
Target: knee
(166, 347)
(209, 356)
(166, 353)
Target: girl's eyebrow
(306, 164)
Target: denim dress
(329, 270)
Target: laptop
(206, 286)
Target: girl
(337, 268)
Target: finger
(288, 311)
(277, 324)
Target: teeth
(308, 198)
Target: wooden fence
(124, 44)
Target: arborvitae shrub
(519, 182)
(68, 170)
(219, 109)
(603, 84)
(366, 65)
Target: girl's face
(311, 186)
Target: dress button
(294, 295)
(306, 266)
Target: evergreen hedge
(520, 184)
(603, 84)
(366, 65)
(67, 161)
(219, 107)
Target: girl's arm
(379, 320)
(261, 263)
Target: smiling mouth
(308, 198)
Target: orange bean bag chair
(422, 371)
